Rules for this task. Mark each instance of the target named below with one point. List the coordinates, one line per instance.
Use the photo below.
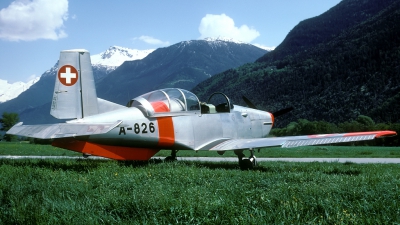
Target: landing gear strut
(172, 157)
(246, 164)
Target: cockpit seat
(223, 107)
(207, 108)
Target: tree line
(7, 121)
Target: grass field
(300, 152)
(61, 191)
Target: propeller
(276, 114)
(282, 111)
(248, 102)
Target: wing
(60, 130)
(295, 141)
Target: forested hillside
(324, 28)
(334, 67)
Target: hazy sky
(33, 32)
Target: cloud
(151, 40)
(29, 20)
(224, 26)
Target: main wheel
(170, 158)
(253, 160)
(246, 164)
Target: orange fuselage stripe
(166, 133)
(107, 151)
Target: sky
(33, 32)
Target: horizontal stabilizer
(61, 130)
(106, 106)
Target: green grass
(110, 192)
(23, 148)
(16, 148)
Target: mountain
(181, 65)
(321, 29)
(10, 91)
(34, 103)
(115, 56)
(107, 61)
(332, 67)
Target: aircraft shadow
(87, 165)
(78, 165)
(199, 164)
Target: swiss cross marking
(68, 75)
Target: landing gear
(85, 155)
(246, 164)
(172, 157)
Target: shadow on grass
(223, 166)
(198, 164)
(349, 172)
(87, 165)
(132, 163)
(79, 165)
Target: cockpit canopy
(166, 101)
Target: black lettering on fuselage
(122, 131)
(136, 128)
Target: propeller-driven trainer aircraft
(169, 118)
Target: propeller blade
(276, 114)
(282, 111)
(248, 102)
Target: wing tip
(378, 134)
(385, 133)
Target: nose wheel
(172, 157)
(246, 163)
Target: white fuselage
(192, 130)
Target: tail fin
(74, 91)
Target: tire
(246, 164)
(169, 159)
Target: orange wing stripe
(379, 134)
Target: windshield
(167, 100)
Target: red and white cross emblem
(68, 75)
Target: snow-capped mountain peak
(9, 91)
(106, 61)
(115, 56)
(225, 39)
